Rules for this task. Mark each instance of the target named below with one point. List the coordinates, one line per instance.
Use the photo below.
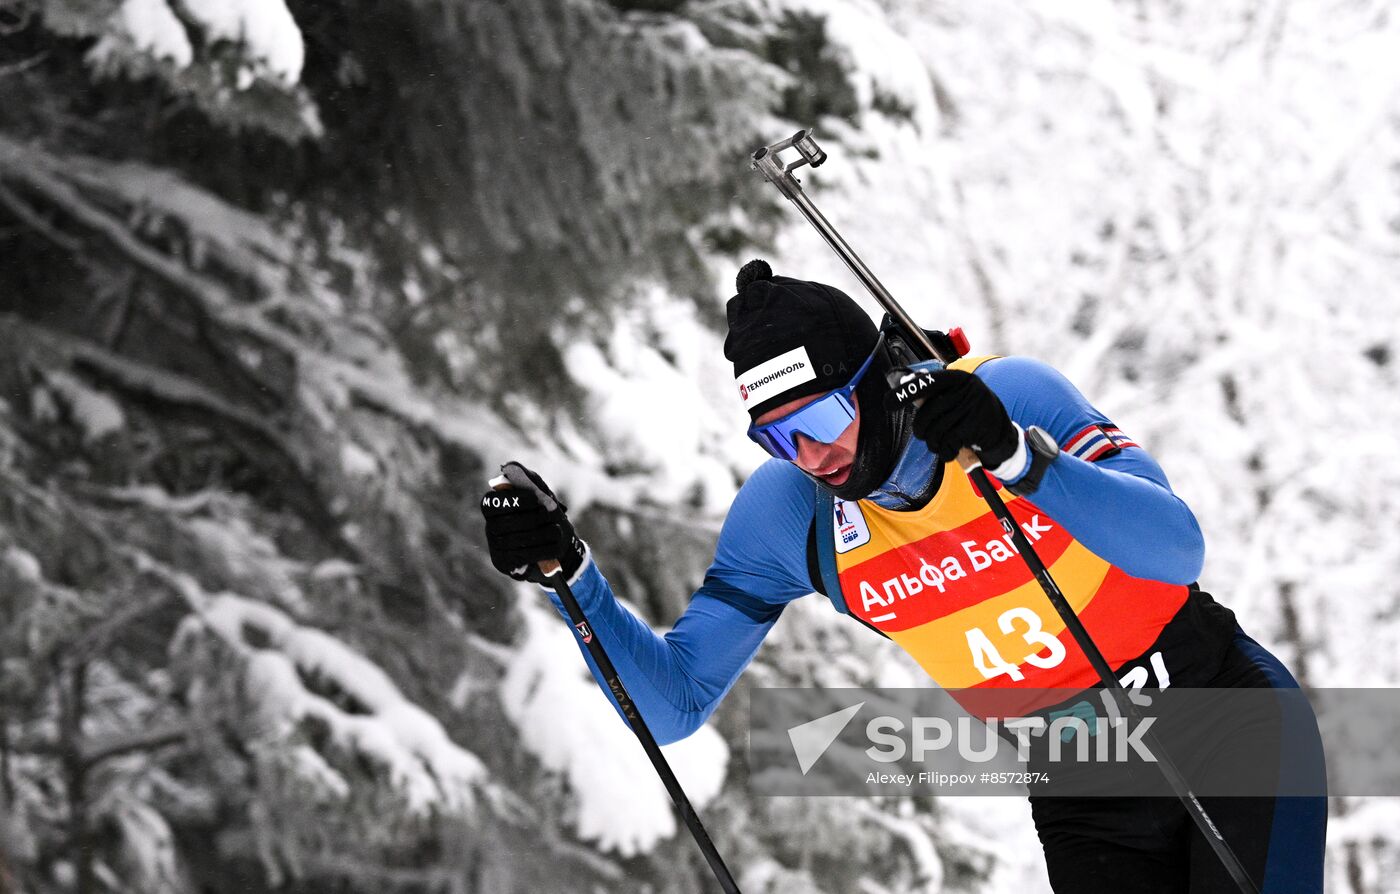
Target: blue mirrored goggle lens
(822, 420)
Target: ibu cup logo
(851, 530)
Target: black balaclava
(789, 338)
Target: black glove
(957, 410)
(526, 524)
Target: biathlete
(863, 502)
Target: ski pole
(549, 573)
(767, 162)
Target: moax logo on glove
(912, 385)
(493, 502)
(776, 376)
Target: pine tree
(234, 423)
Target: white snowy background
(1191, 208)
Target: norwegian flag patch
(1094, 442)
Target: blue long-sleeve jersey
(1119, 506)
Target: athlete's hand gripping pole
(767, 162)
(548, 572)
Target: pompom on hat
(789, 338)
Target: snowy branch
(466, 424)
(34, 219)
(91, 752)
(151, 381)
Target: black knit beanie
(789, 338)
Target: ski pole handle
(548, 567)
(969, 460)
(967, 457)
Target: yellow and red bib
(945, 583)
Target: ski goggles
(821, 420)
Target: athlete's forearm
(678, 679)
